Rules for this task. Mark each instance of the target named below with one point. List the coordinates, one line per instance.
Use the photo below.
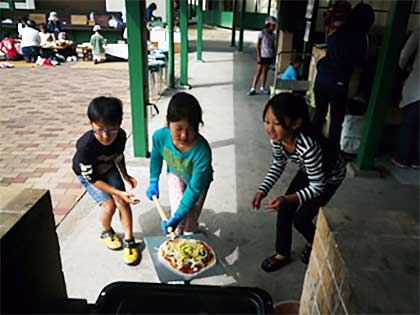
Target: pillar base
(183, 87)
(354, 171)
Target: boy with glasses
(100, 166)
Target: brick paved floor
(42, 114)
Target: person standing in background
(54, 25)
(265, 55)
(407, 154)
(149, 12)
(336, 16)
(347, 48)
(98, 42)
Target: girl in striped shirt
(321, 171)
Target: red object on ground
(47, 63)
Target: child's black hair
(22, 19)
(185, 106)
(6, 35)
(106, 110)
(292, 106)
(296, 59)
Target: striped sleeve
(311, 155)
(275, 171)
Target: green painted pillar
(200, 30)
(11, 5)
(241, 26)
(385, 78)
(137, 64)
(184, 41)
(234, 17)
(171, 52)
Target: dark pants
(299, 216)
(30, 53)
(335, 95)
(408, 147)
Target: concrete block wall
(31, 271)
(326, 288)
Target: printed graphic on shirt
(183, 167)
(104, 165)
(86, 171)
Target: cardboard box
(38, 18)
(78, 19)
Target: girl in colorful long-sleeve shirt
(188, 158)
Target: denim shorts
(112, 178)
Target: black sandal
(271, 263)
(306, 254)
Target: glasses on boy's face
(107, 132)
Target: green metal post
(171, 54)
(184, 41)
(11, 5)
(234, 17)
(269, 8)
(385, 78)
(200, 30)
(241, 26)
(138, 74)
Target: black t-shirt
(93, 159)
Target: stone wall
(364, 261)
(325, 288)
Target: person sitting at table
(8, 48)
(46, 37)
(54, 25)
(69, 49)
(98, 42)
(63, 36)
(31, 41)
(47, 45)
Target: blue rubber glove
(153, 189)
(173, 222)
